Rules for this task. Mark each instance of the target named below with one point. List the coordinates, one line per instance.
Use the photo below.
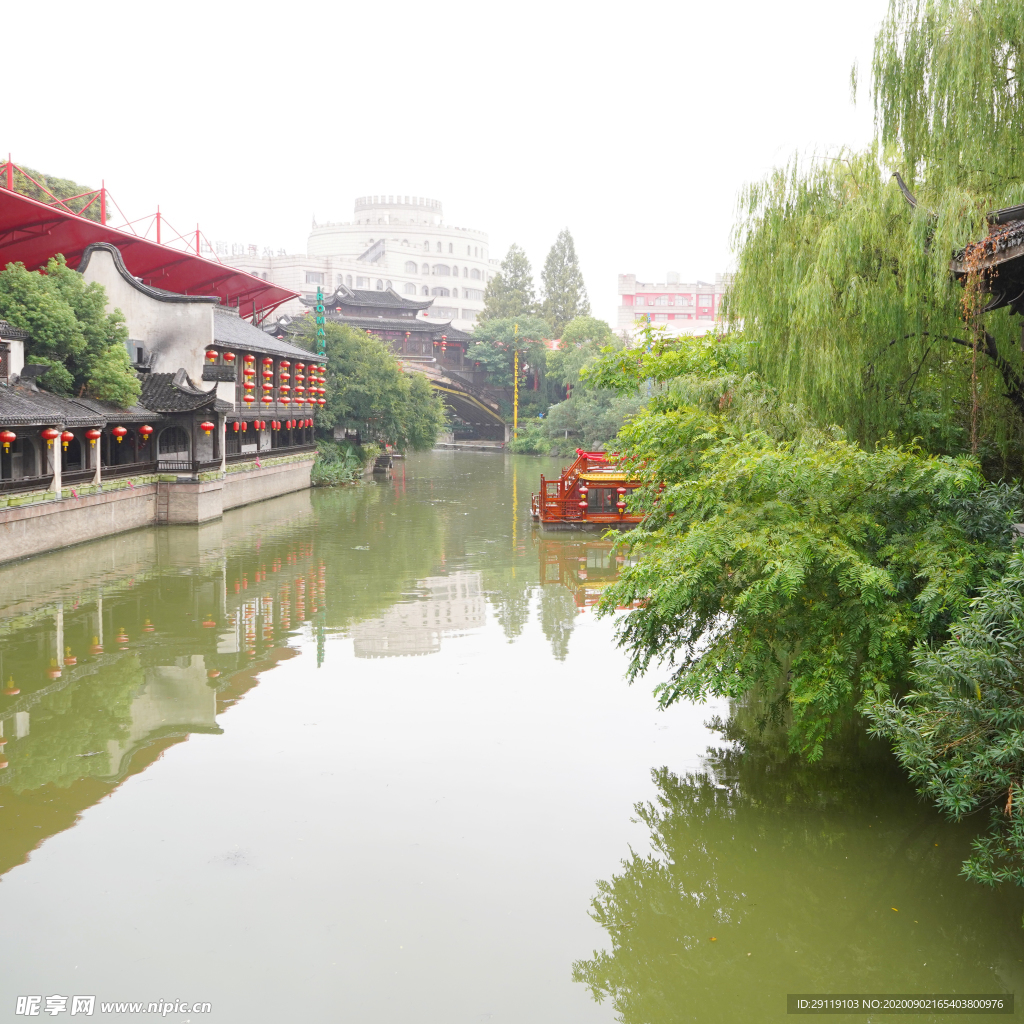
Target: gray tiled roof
(22, 404)
(9, 331)
(176, 392)
(388, 298)
(230, 330)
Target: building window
(387, 284)
(426, 245)
(360, 282)
(475, 274)
(438, 246)
(465, 271)
(451, 248)
(380, 285)
(473, 293)
(439, 291)
(410, 289)
(410, 267)
(661, 300)
(469, 314)
(440, 270)
(426, 290)
(425, 269)
(468, 253)
(348, 280)
(682, 300)
(475, 253)
(455, 271)
(314, 278)
(173, 441)
(661, 316)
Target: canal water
(366, 755)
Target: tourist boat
(592, 492)
(584, 565)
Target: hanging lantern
(66, 438)
(620, 490)
(285, 400)
(249, 358)
(148, 627)
(49, 435)
(299, 389)
(119, 433)
(10, 690)
(8, 437)
(584, 491)
(211, 355)
(268, 373)
(69, 658)
(237, 426)
(248, 399)
(299, 367)
(284, 375)
(229, 357)
(583, 504)
(145, 432)
(322, 401)
(284, 364)
(207, 427)
(245, 426)
(267, 361)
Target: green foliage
(781, 558)
(960, 730)
(335, 464)
(532, 440)
(565, 294)
(367, 390)
(845, 288)
(70, 331)
(510, 293)
(495, 341)
(586, 329)
(62, 188)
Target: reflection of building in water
(174, 701)
(449, 605)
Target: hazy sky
(636, 127)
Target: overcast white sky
(635, 126)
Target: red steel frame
(30, 236)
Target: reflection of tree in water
(800, 867)
(509, 592)
(72, 728)
(557, 616)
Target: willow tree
(843, 278)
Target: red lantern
(620, 490)
(93, 434)
(284, 364)
(267, 361)
(249, 358)
(145, 432)
(245, 426)
(299, 366)
(322, 401)
(211, 355)
(8, 437)
(229, 357)
(66, 438)
(49, 435)
(248, 399)
(207, 427)
(120, 432)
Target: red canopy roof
(31, 232)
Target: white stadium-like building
(398, 242)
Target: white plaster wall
(177, 333)
(16, 359)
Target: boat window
(602, 499)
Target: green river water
(366, 755)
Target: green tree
(367, 390)
(495, 341)
(71, 332)
(845, 287)
(510, 293)
(586, 329)
(565, 294)
(960, 730)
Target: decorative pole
(321, 334)
(515, 400)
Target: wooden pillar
(55, 452)
(222, 440)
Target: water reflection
(768, 876)
(445, 606)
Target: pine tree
(565, 294)
(511, 292)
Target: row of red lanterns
(49, 435)
(241, 426)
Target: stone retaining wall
(39, 523)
